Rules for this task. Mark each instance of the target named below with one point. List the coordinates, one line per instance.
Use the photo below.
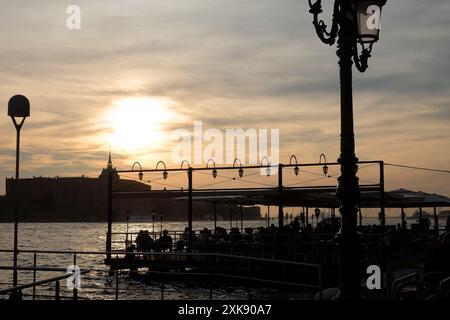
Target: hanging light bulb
(325, 169)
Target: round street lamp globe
(19, 106)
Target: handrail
(40, 282)
(209, 254)
(33, 268)
(236, 277)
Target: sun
(137, 123)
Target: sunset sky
(137, 70)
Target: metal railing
(284, 268)
(15, 293)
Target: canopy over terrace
(323, 197)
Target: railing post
(34, 275)
(57, 290)
(15, 295)
(162, 285)
(320, 283)
(284, 278)
(248, 281)
(210, 286)
(75, 290)
(117, 284)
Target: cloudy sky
(231, 64)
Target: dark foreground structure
(294, 253)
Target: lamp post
(18, 109)
(355, 22)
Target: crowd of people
(295, 241)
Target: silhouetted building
(85, 199)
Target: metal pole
(109, 232)
(436, 220)
(280, 196)
(75, 290)
(242, 220)
(360, 216)
(126, 237)
(403, 218)
(215, 215)
(153, 226)
(57, 291)
(307, 215)
(117, 284)
(384, 267)
(16, 202)
(383, 213)
(348, 186)
(190, 209)
(34, 274)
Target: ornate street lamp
(296, 168)
(18, 110)
(240, 171)
(214, 172)
(268, 170)
(140, 174)
(165, 174)
(355, 23)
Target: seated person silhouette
(165, 242)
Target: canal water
(98, 284)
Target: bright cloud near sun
(137, 123)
